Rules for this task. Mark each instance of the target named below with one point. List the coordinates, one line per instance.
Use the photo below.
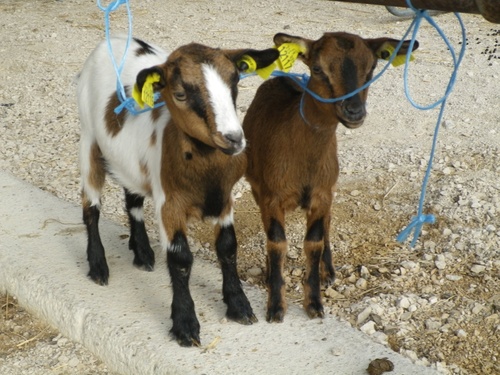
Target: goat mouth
(229, 146)
(352, 124)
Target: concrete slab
(43, 263)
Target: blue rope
(125, 102)
(420, 219)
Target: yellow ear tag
(265, 73)
(388, 50)
(288, 55)
(147, 96)
(136, 94)
(252, 65)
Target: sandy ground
(437, 303)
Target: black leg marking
(276, 233)
(276, 304)
(186, 328)
(144, 257)
(99, 271)
(327, 263)
(316, 231)
(238, 306)
(315, 307)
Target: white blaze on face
(226, 119)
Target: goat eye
(316, 69)
(180, 96)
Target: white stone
(440, 264)
(363, 315)
(368, 328)
(403, 302)
(461, 333)
(361, 283)
(254, 271)
(355, 193)
(478, 268)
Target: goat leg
(276, 252)
(144, 257)
(99, 271)
(185, 328)
(238, 306)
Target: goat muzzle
(352, 113)
(231, 143)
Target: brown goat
(292, 158)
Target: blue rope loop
(125, 102)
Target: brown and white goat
(292, 159)
(186, 155)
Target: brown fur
(114, 121)
(293, 162)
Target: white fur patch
(221, 100)
(225, 221)
(137, 213)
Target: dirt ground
(438, 303)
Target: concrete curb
(43, 263)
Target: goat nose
(354, 110)
(234, 138)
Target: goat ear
(150, 72)
(304, 43)
(379, 46)
(261, 58)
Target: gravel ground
(438, 303)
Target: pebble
(432, 325)
(368, 328)
(440, 264)
(332, 293)
(403, 302)
(361, 283)
(453, 277)
(478, 268)
(297, 272)
(461, 333)
(254, 271)
(355, 193)
(363, 315)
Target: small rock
(368, 328)
(453, 277)
(461, 333)
(406, 316)
(477, 308)
(363, 315)
(332, 293)
(410, 265)
(355, 193)
(361, 283)
(440, 264)
(364, 272)
(478, 268)
(296, 272)
(403, 302)
(432, 325)
(254, 271)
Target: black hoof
(99, 274)
(275, 315)
(186, 333)
(315, 310)
(239, 310)
(144, 259)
